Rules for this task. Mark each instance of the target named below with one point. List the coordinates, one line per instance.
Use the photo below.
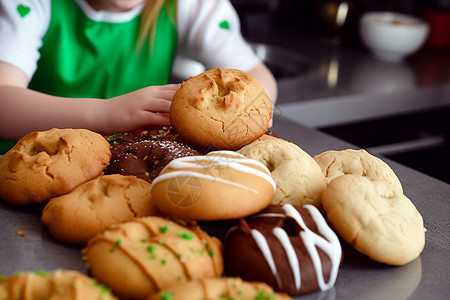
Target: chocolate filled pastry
(290, 248)
(146, 153)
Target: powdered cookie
(59, 284)
(221, 109)
(290, 248)
(298, 177)
(220, 289)
(387, 229)
(362, 163)
(217, 186)
(50, 163)
(143, 256)
(91, 207)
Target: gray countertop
(427, 277)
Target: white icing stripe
(311, 240)
(234, 163)
(282, 236)
(265, 250)
(199, 175)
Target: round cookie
(143, 256)
(93, 206)
(145, 155)
(298, 177)
(388, 229)
(217, 186)
(59, 284)
(359, 162)
(50, 163)
(221, 109)
(290, 248)
(219, 289)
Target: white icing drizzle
(264, 247)
(311, 240)
(216, 160)
(282, 236)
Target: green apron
(85, 58)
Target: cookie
(298, 177)
(143, 256)
(145, 155)
(388, 229)
(221, 109)
(361, 163)
(290, 248)
(59, 284)
(51, 163)
(219, 289)
(91, 207)
(217, 186)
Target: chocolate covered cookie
(290, 248)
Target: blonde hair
(149, 20)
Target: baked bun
(59, 284)
(221, 109)
(93, 206)
(219, 289)
(143, 256)
(361, 163)
(290, 248)
(217, 186)
(298, 177)
(51, 163)
(146, 153)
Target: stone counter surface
(427, 277)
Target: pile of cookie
(211, 208)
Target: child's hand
(143, 108)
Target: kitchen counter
(425, 278)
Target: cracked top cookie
(50, 163)
(221, 109)
(93, 206)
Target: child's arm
(266, 79)
(23, 110)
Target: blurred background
(329, 78)
(380, 82)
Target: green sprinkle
(117, 243)
(161, 242)
(263, 296)
(164, 229)
(151, 249)
(61, 289)
(41, 273)
(178, 255)
(104, 290)
(143, 240)
(166, 296)
(163, 262)
(210, 252)
(186, 236)
(115, 143)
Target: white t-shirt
(24, 24)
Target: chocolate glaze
(244, 257)
(145, 153)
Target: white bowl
(392, 36)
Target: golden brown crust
(94, 205)
(59, 284)
(218, 186)
(365, 203)
(362, 163)
(50, 163)
(219, 289)
(298, 177)
(387, 229)
(148, 254)
(221, 109)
